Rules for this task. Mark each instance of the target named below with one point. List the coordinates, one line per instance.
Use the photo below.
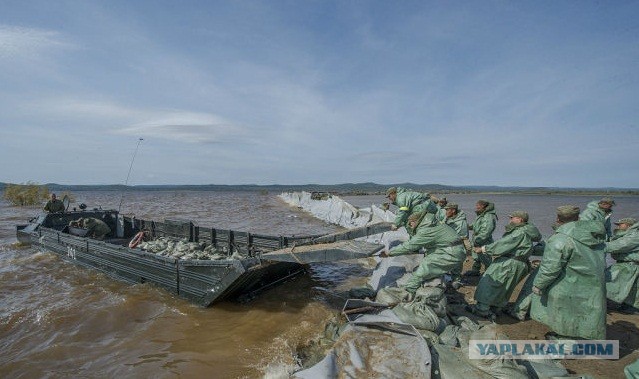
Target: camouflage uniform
(98, 229)
(54, 206)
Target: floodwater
(58, 319)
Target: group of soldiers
(567, 290)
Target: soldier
(444, 249)
(570, 288)
(482, 228)
(98, 229)
(509, 266)
(441, 209)
(456, 219)
(601, 211)
(622, 277)
(408, 202)
(54, 205)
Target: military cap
(627, 220)
(521, 214)
(451, 206)
(415, 216)
(443, 199)
(391, 191)
(483, 203)
(568, 211)
(607, 200)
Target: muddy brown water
(58, 319)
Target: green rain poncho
(593, 212)
(623, 276)
(571, 278)
(458, 223)
(510, 265)
(409, 202)
(444, 250)
(632, 370)
(483, 228)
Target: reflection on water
(61, 320)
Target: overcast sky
(506, 93)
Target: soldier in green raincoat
(570, 287)
(632, 370)
(600, 211)
(456, 219)
(482, 228)
(444, 249)
(521, 308)
(509, 266)
(441, 209)
(408, 202)
(622, 278)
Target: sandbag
(361, 293)
(391, 295)
(434, 298)
(453, 334)
(420, 315)
(501, 367)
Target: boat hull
(248, 270)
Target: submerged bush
(26, 194)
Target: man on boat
(408, 202)
(482, 228)
(570, 287)
(98, 229)
(601, 211)
(54, 205)
(444, 249)
(510, 264)
(622, 278)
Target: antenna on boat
(129, 174)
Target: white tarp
(336, 211)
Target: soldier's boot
(475, 270)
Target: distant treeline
(345, 189)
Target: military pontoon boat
(250, 261)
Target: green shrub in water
(26, 194)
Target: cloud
(115, 118)
(25, 43)
(187, 127)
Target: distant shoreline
(352, 189)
